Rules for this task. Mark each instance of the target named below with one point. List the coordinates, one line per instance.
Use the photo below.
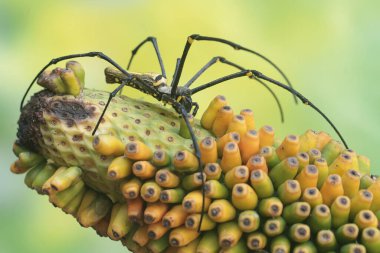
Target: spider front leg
(71, 56)
(112, 95)
(153, 40)
(197, 37)
(225, 61)
(260, 75)
(180, 108)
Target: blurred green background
(329, 49)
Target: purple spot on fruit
(180, 156)
(77, 137)
(303, 155)
(268, 128)
(207, 141)
(227, 108)
(371, 232)
(275, 208)
(231, 145)
(239, 189)
(323, 209)
(343, 200)
(257, 159)
(239, 117)
(70, 123)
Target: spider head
(187, 102)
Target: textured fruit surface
(137, 180)
(62, 131)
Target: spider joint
(249, 74)
(257, 73)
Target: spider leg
(71, 56)
(198, 37)
(259, 75)
(225, 61)
(274, 96)
(176, 69)
(184, 114)
(153, 40)
(196, 108)
(112, 94)
(207, 66)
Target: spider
(180, 97)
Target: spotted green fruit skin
(60, 128)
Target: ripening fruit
(139, 181)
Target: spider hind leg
(179, 107)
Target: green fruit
(141, 158)
(60, 128)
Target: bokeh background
(329, 49)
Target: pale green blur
(329, 50)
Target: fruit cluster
(138, 181)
